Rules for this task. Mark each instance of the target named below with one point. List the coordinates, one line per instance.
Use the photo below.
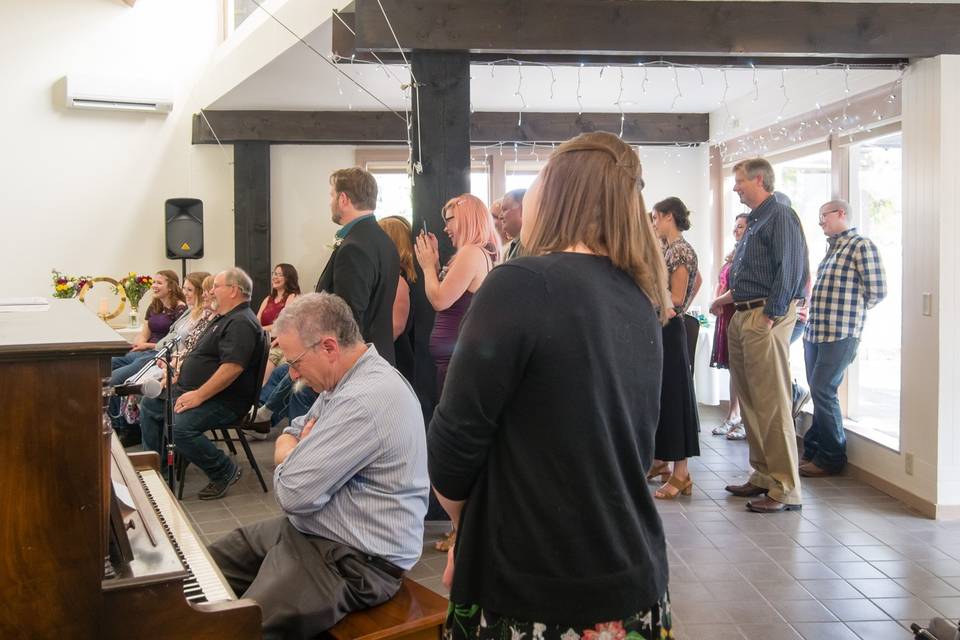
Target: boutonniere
(336, 243)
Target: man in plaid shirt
(850, 280)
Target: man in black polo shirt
(215, 384)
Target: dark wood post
(251, 214)
(443, 146)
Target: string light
(579, 101)
(619, 102)
(786, 98)
(523, 103)
(676, 82)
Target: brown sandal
(684, 487)
(448, 541)
(661, 470)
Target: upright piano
(92, 542)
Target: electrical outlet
(908, 463)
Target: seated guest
(542, 439)
(400, 232)
(215, 384)
(285, 284)
(165, 309)
(183, 327)
(188, 333)
(351, 478)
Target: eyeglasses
(823, 216)
(294, 364)
(216, 286)
(446, 219)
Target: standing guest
(495, 210)
(351, 479)
(722, 308)
(546, 425)
(511, 219)
(165, 309)
(799, 393)
(216, 381)
(363, 269)
(400, 232)
(850, 280)
(678, 429)
(766, 279)
(285, 287)
(451, 289)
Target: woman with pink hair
(467, 222)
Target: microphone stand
(169, 447)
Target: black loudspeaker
(184, 223)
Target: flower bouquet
(135, 286)
(65, 286)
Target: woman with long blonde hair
(541, 441)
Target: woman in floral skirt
(544, 433)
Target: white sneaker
(263, 414)
(725, 427)
(737, 433)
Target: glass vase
(133, 316)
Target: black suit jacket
(364, 271)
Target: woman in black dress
(677, 432)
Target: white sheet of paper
(123, 495)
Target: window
(395, 192)
(520, 175)
(807, 182)
(873, 381)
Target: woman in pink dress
(722, 307)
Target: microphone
(149, 388)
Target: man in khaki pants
(766, 278)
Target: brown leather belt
(749, 304)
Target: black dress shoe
(745, 490)
(769, 505)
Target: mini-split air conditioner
(117, 94)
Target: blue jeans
(278, 396)
(825, 443)
(123, 367)
(189, 437)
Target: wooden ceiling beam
(718, 29)
(384, 127)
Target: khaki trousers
(760, 366)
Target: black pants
(304, 584)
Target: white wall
(930, 371)
(301, 229)
(683, 172)
(83, 191)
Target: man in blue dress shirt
(767, 277)
(351, 478)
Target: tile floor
(855, 563)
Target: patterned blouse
(677, 254)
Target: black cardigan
(546, 428)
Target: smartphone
(425, 227)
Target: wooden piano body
(56, 471)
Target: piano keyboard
(204, 582)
